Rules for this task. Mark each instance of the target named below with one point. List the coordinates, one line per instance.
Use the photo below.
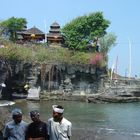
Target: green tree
(107, 42)
(11, 26)
(81, 30)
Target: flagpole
(130, 62)
(116, 69)
(112, 71)
(45, 31)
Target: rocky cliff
(54, 78)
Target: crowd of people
(56, 128)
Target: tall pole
(116, 69)
(130, 63)
(112, 71)
(45, 30)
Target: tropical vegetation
(77, 35)
(42, 54)
(9, 27)
(81, 30)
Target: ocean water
(93, 121)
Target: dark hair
(59, 106)
(34, 112)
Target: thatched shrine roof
(33, 30)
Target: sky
(123, 15)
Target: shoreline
(95, 98)
(90, 98)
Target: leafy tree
(106, 42)
(0, 29)
(11, 26)
(81, 30)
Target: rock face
(55, 78)
(122, 90)
(67, 82)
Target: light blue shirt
(14, 131)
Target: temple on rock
(31, 35)
(54, 36)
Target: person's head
(34, 114)
(57, 112)
(17, 115)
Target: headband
(58, 110)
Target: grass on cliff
(42, 54)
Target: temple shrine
(54, 36)
(31, 35)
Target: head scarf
(56, 109)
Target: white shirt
(59, 131)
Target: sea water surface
(93, 121)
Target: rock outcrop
(119, 90)
(67, 82)
(58, 78)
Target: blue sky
(123, 15)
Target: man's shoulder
(43, 123)
(31, 124)
(9, 123)
(66, 121)
(50, 119)
(24, 123)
